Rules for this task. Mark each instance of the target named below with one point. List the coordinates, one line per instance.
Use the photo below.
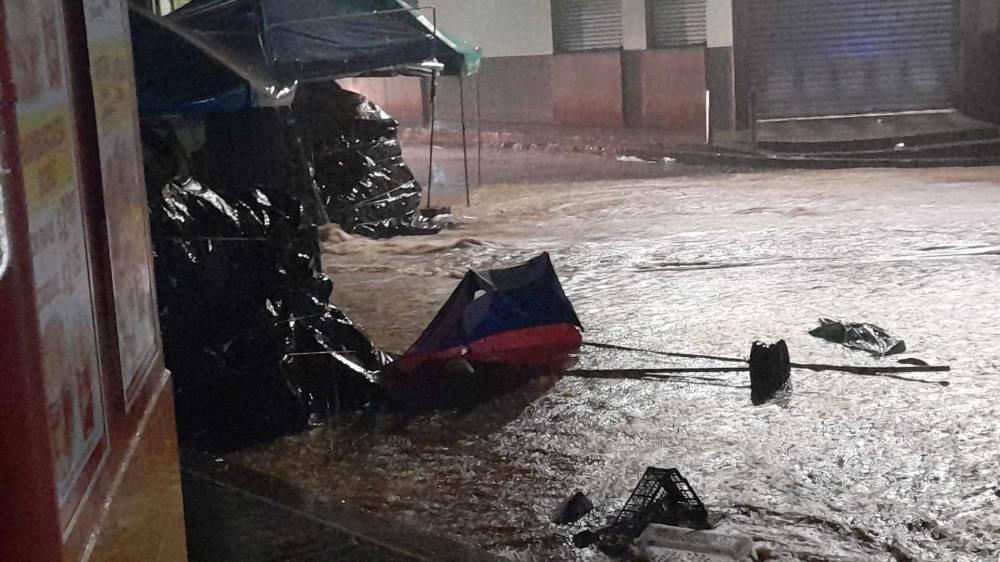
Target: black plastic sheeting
(863, 337)
(255, 347)
(259, 146)
(358, 164)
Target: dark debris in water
(863, 337)
(573, 509)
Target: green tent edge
(471, 59)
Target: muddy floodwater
(847, 468)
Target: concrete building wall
(634, 24)
(979, 69)
(720, 79)
(401, 96)
(672, 90)
(515, 38)
(522, 81)
(719, 23)
(507, 28)
(587, 89)
(512, 89)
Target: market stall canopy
(178, 72)
(324, 39)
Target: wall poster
(62, 276)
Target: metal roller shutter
(817, 57)
(584, 25)
(676, 23)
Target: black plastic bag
(863, 337)
(358, 164)
(254, 345)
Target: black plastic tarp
(254, 345)
(323, 39)
(357, 162)
(858, 335)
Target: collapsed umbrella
(498, 328)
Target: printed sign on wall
(109, 44)
(62, 277)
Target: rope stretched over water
(663, 353)
(666, 375)
(883, 372)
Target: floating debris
(662, 496)
(508, 325)
(573, 509)
(863, 337)
(770, 369)
(676, 544)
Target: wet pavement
(659, 256)
(234, 515)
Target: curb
(607, 145)
(779, 161)
(711, 156)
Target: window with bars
(675, 23)
(586, 25)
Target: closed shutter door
(818, 57)
(676, 23)
(584, 25)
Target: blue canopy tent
(322, 39)
(309, 40)
(228, 55)
(177, 72)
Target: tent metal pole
(479, 131)
(313, 202)
(465, 147)
(430, 157)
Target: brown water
(845, 468)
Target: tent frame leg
(430, 155)
(479, 131)
(465, 146)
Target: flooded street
(657, 256)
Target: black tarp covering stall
(254, 345)
(256, 348)
(357, 162)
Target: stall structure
(250, 145)
(292, 43)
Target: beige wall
(634, 24)
(521, 81)
(719, 23)
(501, 28)
(401, 96)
